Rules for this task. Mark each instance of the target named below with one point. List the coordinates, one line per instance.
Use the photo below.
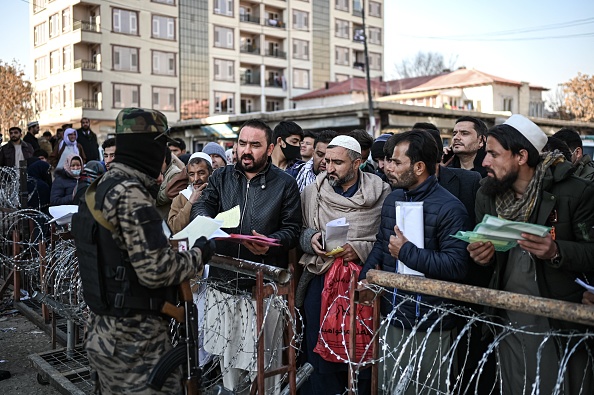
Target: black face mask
(291, 152)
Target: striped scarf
(306, 175)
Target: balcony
(249, 79)
(249, 48)
(87, 65)
(359, 66)
(86, 26)
(87, 104)
(275, 53)
(275, 82)
(275, 23)
(249, 18)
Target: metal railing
(86, 65)
(249, 48)
(86, 26)
(249, 79)
(249, 18)
(86, 103)
(275, 23)
(275, 53)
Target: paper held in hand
(504, 234)
(336, 236)
(62, 215)
(410, 221)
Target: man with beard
(584, 165)
(268, 199)
(468, 145)
(411, 159)
(16, 149)
(287, 144)
(523, 185)
(32, 131)
(344, 191)
(305, 172)
(88, 139)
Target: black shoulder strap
(90, 200)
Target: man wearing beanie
(377, 154)
(32, 131)
(526, 185)
(217, 155)
(128, 269)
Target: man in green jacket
(584, 165)
(524, 185)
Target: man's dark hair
(198, 160)
(363, 138)
(285, 129)
(479, 126)
(15, 128)
(571, 137)
(40, 152)
(553, 143)
(325, 136)
(66, 126)
(110, 142)
(425, 126)
(85, 119)
(179, 143)
(261, 125)
(421, 147)
(512, 140)
(47, 133)
(437, 137)
(309, 133)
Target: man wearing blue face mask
(287, 144)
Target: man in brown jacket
(16, 149)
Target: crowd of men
(288, 184)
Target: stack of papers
(62, 215)
(502, 233)
(410, 221)
(336, 236)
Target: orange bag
(335, 317)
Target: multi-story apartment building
(193, 59)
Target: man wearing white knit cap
(527, 186)
(341, 191)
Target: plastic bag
(335, 317)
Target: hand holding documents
(504, 234)
(262, 240)
(409, 218)
(336, 236)
(230, 218)
(62, 215)
(587, 287)
(200, 226)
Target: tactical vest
(110, 285)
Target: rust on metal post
(551, 308)
(16, 277)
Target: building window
(341, 28)
(55, 61)
(68, 103)
(67, 57)
(273, 105)
(55, 101)
(507, 104)
(375, 9)
(40, 68)
(170, 2)
(375, 35)
(163, 27)
(125, 58)
(223, 7)
(163, 63)
(357, 7)
(40, 34)
(41, 100)
(125, 95)
(342, 5)
(342, 56)
(163, 99)
(125, 21)
(224, 70)
(300, 20)
(301, 78)
(223, 37)
(375, 61)
(66, 20)
(300, 49)
(54, 25)
(39, 5)
(223, 102)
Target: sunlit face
(307, 147)
(319, 164)
(399, 170)
(217, 161)
(252, 149)
(108, 155)
(340, 168)
(197, 174)
(465, 139)
(175, 150)
(502, 168)
(15, 135)
(72, 137)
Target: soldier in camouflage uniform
(124, 349)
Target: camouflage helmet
(139, 120)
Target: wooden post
(16, 274)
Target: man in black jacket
(88, 139)
(468, 145)
(32, 131)
(268, 199)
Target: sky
(544, 42)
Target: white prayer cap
(346, 142)
(528, 129)
(201, 155)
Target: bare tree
(424, 63)
(579, 98)
(555, 102)
(16, 95)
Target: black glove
(207, 247)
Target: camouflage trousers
(123, 352)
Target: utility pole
(371, 129)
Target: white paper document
(230, 217)
(409, 218)
(62, 215)
(588, 287)
(336, 234)
(200, 226)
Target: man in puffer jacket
(410, 168)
